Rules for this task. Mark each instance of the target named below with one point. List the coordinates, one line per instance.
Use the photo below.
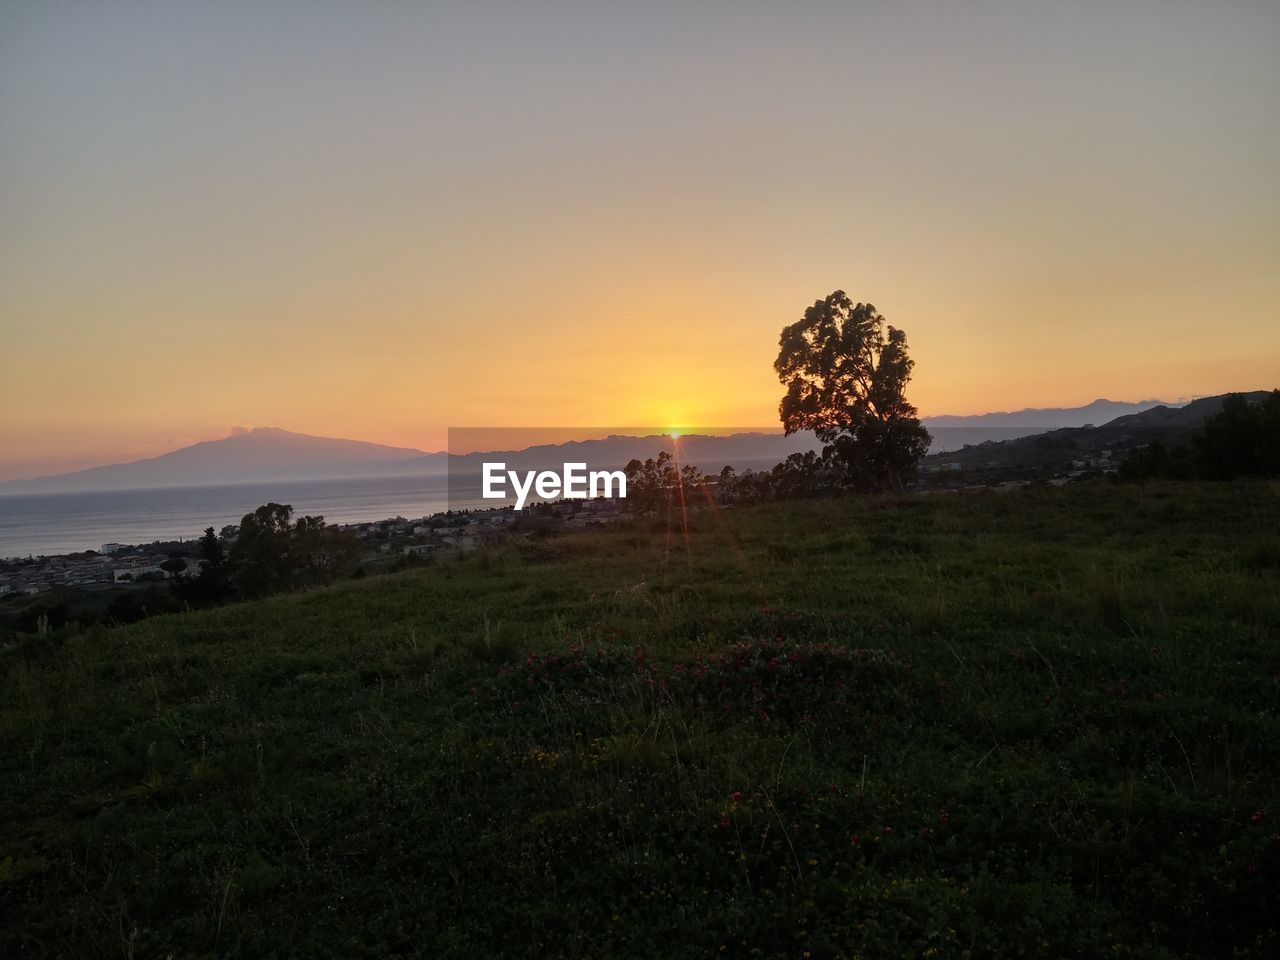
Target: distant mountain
(1107, 442)
(742, 451)
(265, 453)
(272, 454)
(954, 432)
(1098, 412)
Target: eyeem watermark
(581, 474)
(574, 482)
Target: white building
(133, 574)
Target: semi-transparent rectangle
(534, 450)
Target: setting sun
(552, 478)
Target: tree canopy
(272, 554)
(845, 372)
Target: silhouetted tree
(656, 485)
(650, 484)
(801, 475)
(262, 555)
(212, 585)
(322, 551)
(1242, 439)
(846, 374)
(1156, 461)
(271, 554)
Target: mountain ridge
(1107, 442)
(260, 454)
(1098, 411)
(273, 453)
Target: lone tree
(213, 583)
(846, 373)
(263, 556)
(273, 553)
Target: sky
(385, 219)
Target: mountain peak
(246, 455)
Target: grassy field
(1038, 723)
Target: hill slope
(987, 724)
(1059, 449)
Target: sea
(56, 523)
(49, 524)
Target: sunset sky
(379, 220)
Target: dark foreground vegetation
(1040, 723)
(1242, 439)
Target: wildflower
(724, 823)
(853, 840)
(888, 829)
(944, 819)
(1258, 817)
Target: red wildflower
(853, 840)
(1258, 816)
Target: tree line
(1240, 440)
(271, 553)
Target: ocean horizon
(56, 523)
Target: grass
(1038, 723)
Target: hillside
(1059, 450)
(949, 433)
(1040, 723)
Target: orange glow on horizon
(406, 219)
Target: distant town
(401, 541)
(1154, 442)
(385, 544)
